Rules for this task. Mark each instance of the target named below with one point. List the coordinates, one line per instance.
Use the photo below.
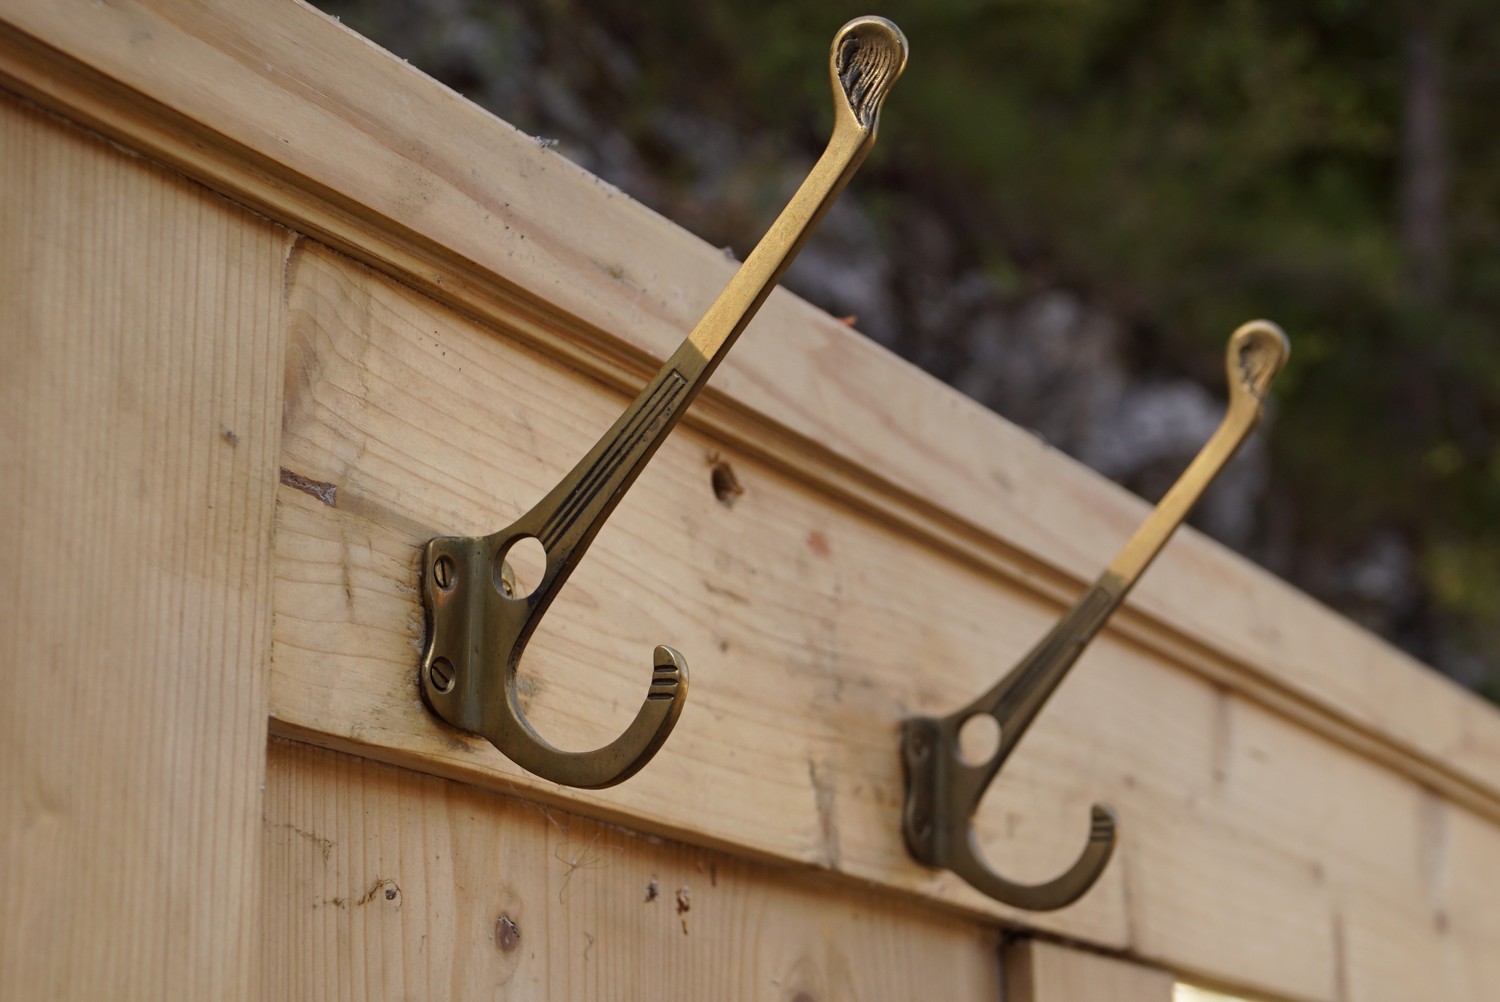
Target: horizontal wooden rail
(587, 911)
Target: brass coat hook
(943, 790)
(477, 627)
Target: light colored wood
(1037, 971)
(1252, 848)
(282, 108)
(140, 404)
(1306, 815)
(382, 884)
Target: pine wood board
(1039, 971)
(140, 404)
(291, 113)
(384, 884)
(1255, 852)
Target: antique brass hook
(943, 790)
(477, 627)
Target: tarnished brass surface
(942, 790)
(477, 628)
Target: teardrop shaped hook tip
(868, 56)
(1257, 352)
(872, 29)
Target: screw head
(440, 674)
(442, 572)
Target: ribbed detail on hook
(1103, 827)
(645, 421)
(869, 57)
(1260, 349)
(664, 682)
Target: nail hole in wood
(727, 487)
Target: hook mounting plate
(476, 617)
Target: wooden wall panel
(289, 112)
(1037, 971)
(383, 884)
(140, 406)
(808, 631)
(1251, 847)
(1305, 813)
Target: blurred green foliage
(1195, 165)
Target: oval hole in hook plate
(520, 567)
(978, 739)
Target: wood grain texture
(381, 884)
(1305, 814)
(293, 114)
(1254, 852)
(139, 415)
(1037, 971)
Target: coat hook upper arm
(943, 790)
(477, 628)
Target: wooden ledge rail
(1304, 814)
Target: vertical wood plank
(386, 884)
(140, 405)
(1037, 971)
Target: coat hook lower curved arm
(477, 627)
(943, 790)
